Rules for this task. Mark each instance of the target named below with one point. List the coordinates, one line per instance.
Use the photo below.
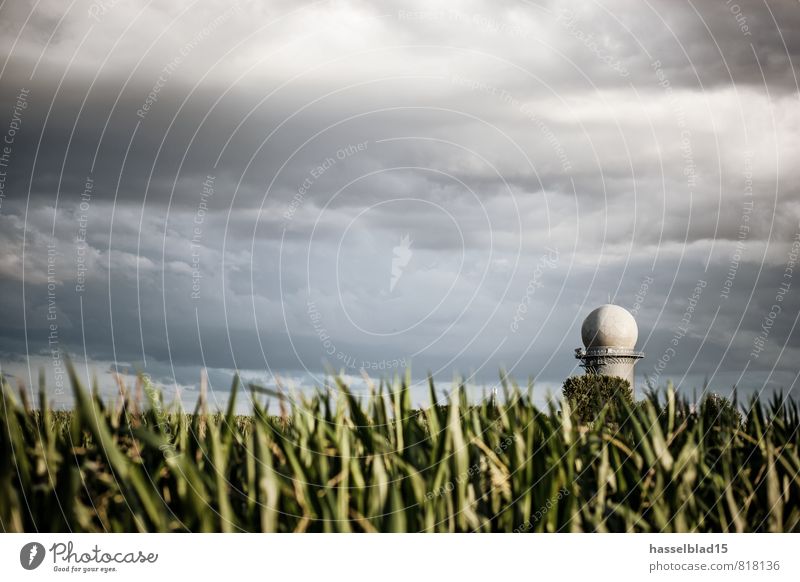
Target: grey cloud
(510, 148)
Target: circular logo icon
(31, 555)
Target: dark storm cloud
(360, 184)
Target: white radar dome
(609, 326)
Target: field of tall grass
(334, 462)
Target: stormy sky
(285, 188)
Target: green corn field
(335, 462)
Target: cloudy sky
(284, 188)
